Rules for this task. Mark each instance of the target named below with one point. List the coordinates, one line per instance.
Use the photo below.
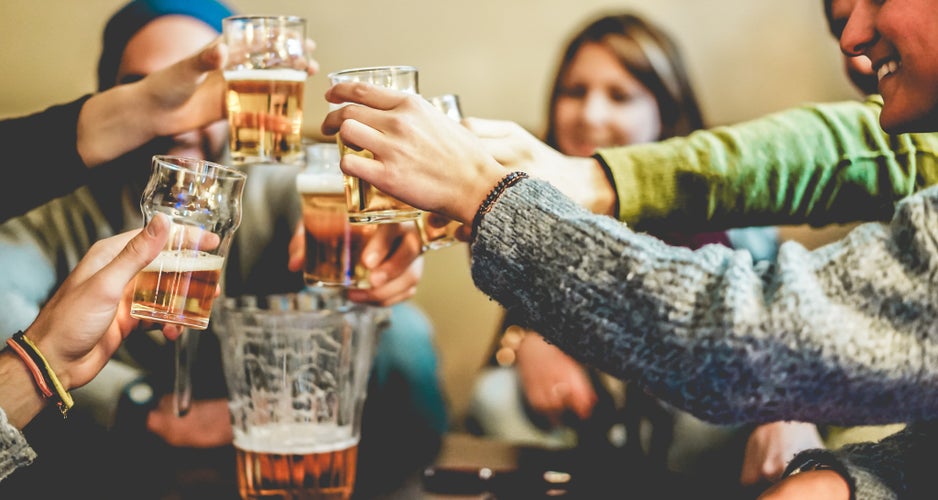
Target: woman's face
(901, 39)
(600, 104)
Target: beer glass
(437, 231)
(367, 204)
(297, 368)
(203, 202)
(265, 75)
(333, 245)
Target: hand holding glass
(366, 204)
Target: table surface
(103, 468)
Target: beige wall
(747, 58)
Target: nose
(859, 32)
(595, 108)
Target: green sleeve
(816, 164)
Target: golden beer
(265, 115)
(178, 287)
(433, 235)
(295, 466)
(333, 245)
(367, 203)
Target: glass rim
(253, 17)
(372, 69)
(182, 163)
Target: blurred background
(746, 58)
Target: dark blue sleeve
(42, 148)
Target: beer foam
(280, 74)
(185, 260)
(320, 183)
(295, 439)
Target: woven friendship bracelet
(48, 380)
(34, 369)
(493, 196)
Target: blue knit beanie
(124, 24)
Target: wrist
(19, 398)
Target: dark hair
(652, 57)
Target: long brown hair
(646, 52)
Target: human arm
(706, 330)
(553, 383)
(816, 164)
(771, 446)
(77, 330)
(897, 466)
(715, 335)
(96, 129)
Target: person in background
(74, 335)
(844, 334)
(133, 398)
(621, 81)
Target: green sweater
(817, 164)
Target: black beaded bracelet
(493, 196)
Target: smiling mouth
(887, 68)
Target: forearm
(817, 164)
(632, 306)
(61, 170)
(113, 123)
(19, 397)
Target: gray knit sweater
(844, 335)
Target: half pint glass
(266, 72)
(297, 378)
(367, 204)
(203, 202)
(333, 245)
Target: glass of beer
(367, 204)
(297, 372)
(333, 245)
(437, 231)
(203, 201)
(265, 75)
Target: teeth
(886, 69)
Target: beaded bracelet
(493, 196)
(42, 373)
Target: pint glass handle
(182, 386)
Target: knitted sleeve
(898, 466)
(14, 451)
(42, 147)
(842, 335)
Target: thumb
(139, 251)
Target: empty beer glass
(366, 203)
(265, 73)
(297, 370)
(437, 231)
